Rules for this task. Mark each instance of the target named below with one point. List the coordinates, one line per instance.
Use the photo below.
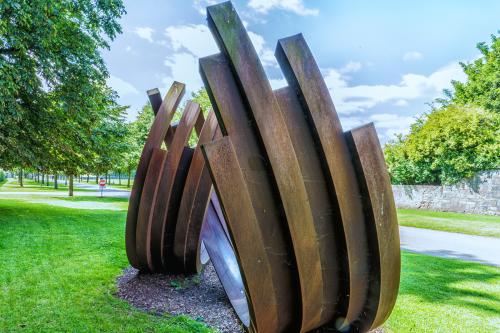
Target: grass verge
(446, 295)
(57, 273)
(480, 225)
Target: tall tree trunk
(70, 187)
(55, 181)
(88, 177)
(21, 177)
(129, 171)
(119, 178)
(97, 179)
(43, 180)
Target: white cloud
(351, 67)
(121, 86)
(278, 83)
(412, 55)
(350, 122)
(195, 38)
(294, 6)
(145, 33)
(388, 125)
(183, 68)
(401, 102)
(201, 5)
(351, 99)
(266, 55)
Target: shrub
(449, 144)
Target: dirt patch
(201, 297)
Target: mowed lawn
(58, 268)
(481, 225)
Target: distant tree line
(461, 135)
(57, 114)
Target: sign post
(102, 185)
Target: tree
(482, 87)
(201, 97)
(53, 79)
(445, 146)
(137, 133)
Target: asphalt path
(485, 250)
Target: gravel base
(201, 297)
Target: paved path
(485, 250)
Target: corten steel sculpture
(308, 209)
(171, 190)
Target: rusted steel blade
(382, 224)
(235, 43)
(248, 240)
(155, 100)
(303, 74)
(195, 197)
(331, 241)
(154, 140)
(148, 197)
(236, 123)
(163, 218)
(200, 121)
(173, 210)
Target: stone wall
(479, 195)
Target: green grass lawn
(58, 268)
(481, 225)
(446, 295)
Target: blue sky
(382, 60)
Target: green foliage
(201, 97)
(461, 137)
(136, 135)
(482, 87)
(445, 146)
(53, 91)
(2, 176)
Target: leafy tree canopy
(482, 87)
(447, 145)
(459, 138)
(52, 78)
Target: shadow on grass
(451, 282)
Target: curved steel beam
(156, 136)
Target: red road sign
(102, 182)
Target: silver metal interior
(221, 252)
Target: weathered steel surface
(235, 122)
(154, 140)
(256, 91)
(382, 224)
(155, 100)
(304, 76)
(148, 197)
(324, 212)
(162, 226)
(195, 198)
(248, 239)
